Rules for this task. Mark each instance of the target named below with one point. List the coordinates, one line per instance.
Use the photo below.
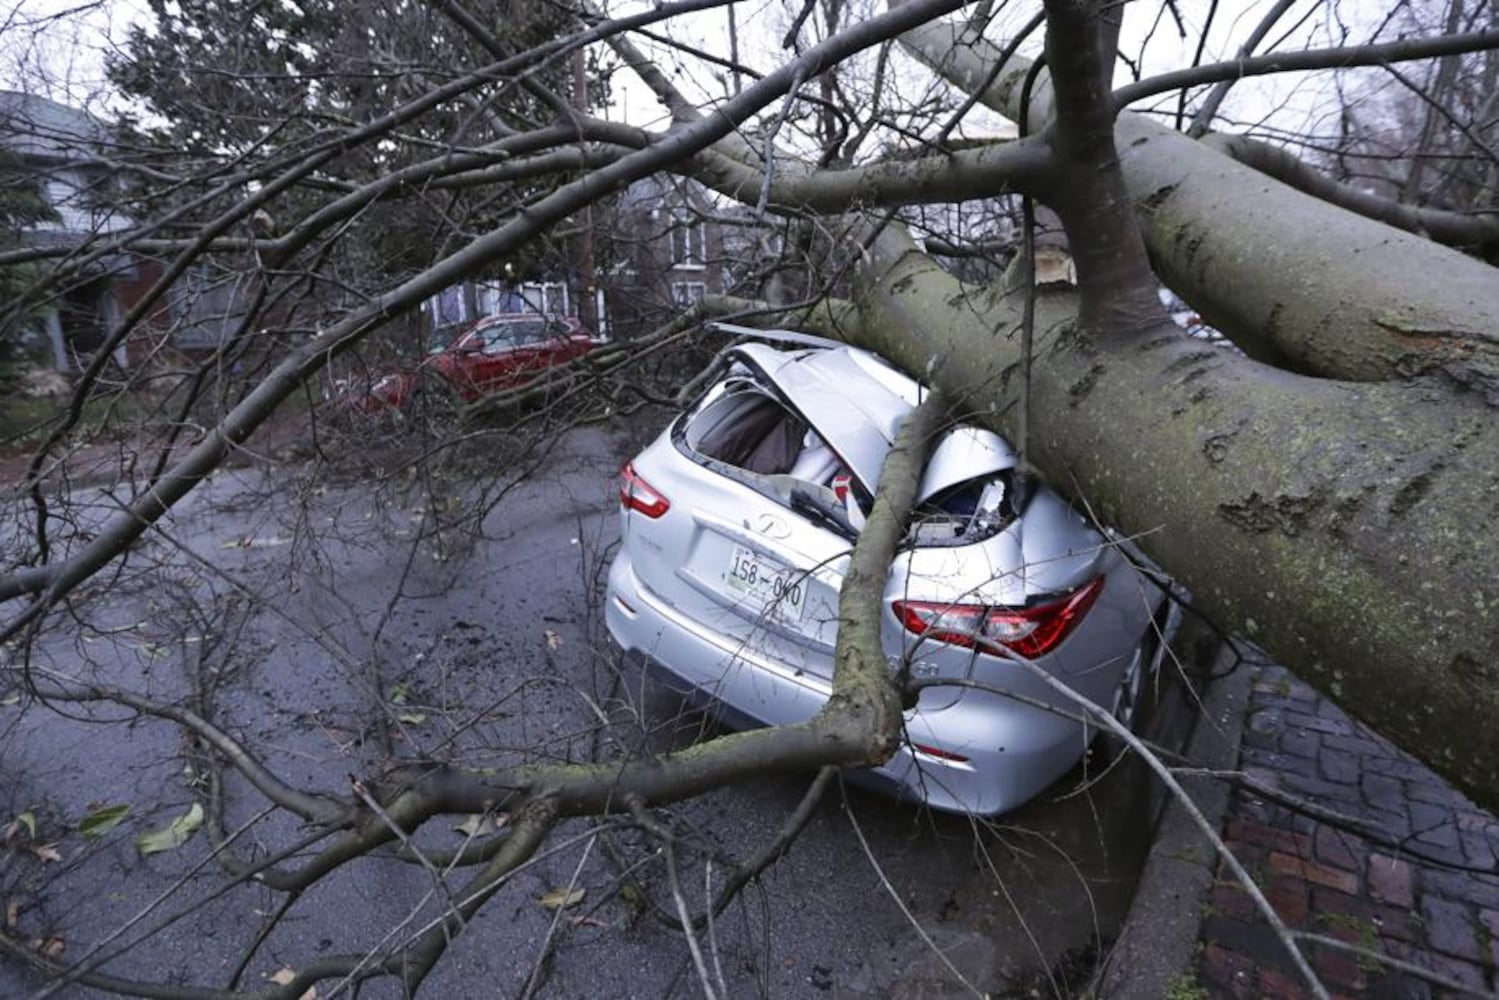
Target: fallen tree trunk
(1290, 278)
(1475, 232)
(1348, 528)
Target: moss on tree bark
(1348, 528)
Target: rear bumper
(1012, 751)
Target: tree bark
(1473, 231)
(1348, 528)
(1293, 280)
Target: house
(61, 153)
(665, 251)
(659, 247)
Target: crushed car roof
(857, 402)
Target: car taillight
(637, 494)
(1031, 632)
(940, 753)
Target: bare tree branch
(240, 422)
(1478, 230)
(1281, 62)
(1203, 119)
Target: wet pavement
(339, 628)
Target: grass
(1185, 987)
(26, 420)
(1366, 933)
(22, 419)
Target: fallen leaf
(174, 835)
(102, 820)
(412, 718)
(12, 914)
(586, 922)
(251, 542)
(14, 699)
(475, 826)
(559, 899)
(284, 976)
(553, 639)
(27, 820)
(52, 947)
(398, 693)
(47, 852)
(482, 824)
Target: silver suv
(737, 525)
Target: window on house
(688, 240)
(687, 293)
(489, 299)
(546, 297)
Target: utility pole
(588, 312)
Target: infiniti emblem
(772, 527)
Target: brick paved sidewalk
(1420, 884)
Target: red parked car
(494, 353)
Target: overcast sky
(57, 48)
(1151, 39)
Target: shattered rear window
(749, 435)
(966, 513)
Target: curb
(90, 477)
(1157, 946)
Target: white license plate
(774, 586)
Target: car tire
(432, 398)
(1127, 695)
(1138, 694)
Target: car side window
(497, 340)
(521, 333)
(745, 429)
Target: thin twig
(669, 850)
(533, 981)
(1167, 778)
(1390, 961)
(900, 904)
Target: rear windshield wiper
(815, 508)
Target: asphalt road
(334, 631)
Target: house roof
(36, 127)
(664, 191)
